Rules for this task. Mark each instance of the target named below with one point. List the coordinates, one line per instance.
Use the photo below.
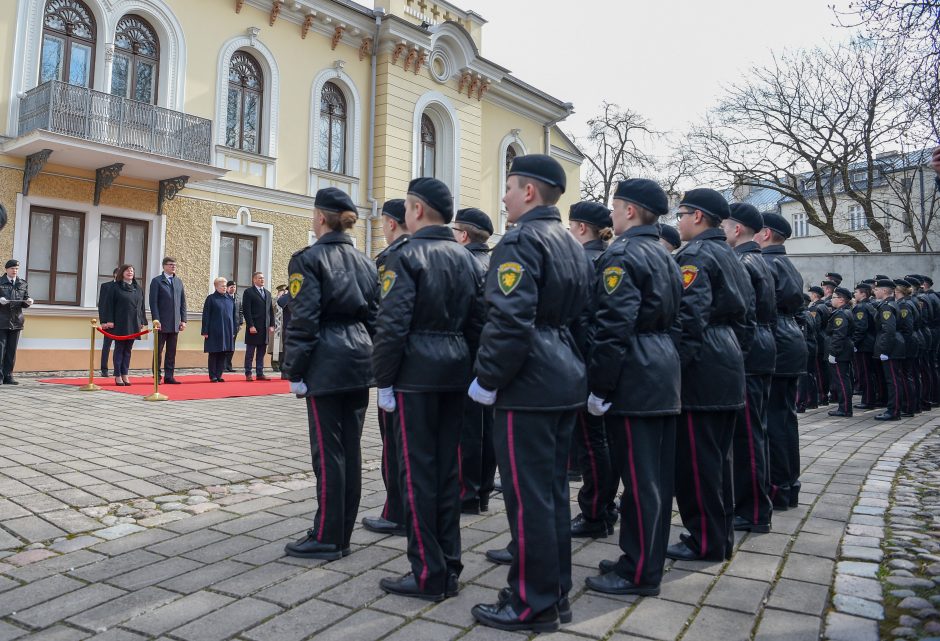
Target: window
(245, 92)
(68, 43)
(54, 259)
(510, 156)
(428, 147)
(857, 219)
(332, 129)
(122, 242)
(800, 225)
(136, 60)
(238, 258)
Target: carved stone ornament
(168, 190)
(412, 56)
(238, 5)
(365, 49)
(422, 57)
(400, 48)
(104, 178)
(275, 11)
(308, 22)
(34, 164)
(337, 35)
(464, 81)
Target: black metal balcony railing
(114, 120)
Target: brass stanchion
(91, 387)
(156, 396)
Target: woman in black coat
(219, 324)
(123, 314)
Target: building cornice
(253, 192)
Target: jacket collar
(774, 249)
(712, 233)
(542, 212)
(334, 237)
(597, 243)
(435, 232)
(477, 247)
(748, 247)
(641, 230)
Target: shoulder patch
(860, 315)
(886, 314)
(387, 281)
(613, 276)
(813, 314)
(294, 284)
(903, 313)
(689, 274)
(839, 321)
(508, 275)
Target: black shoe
(794, 501)
(453, 585)
(249, 377)
(501, 557)
(470, 506)
(504, 617)
(681, 552)
(741, 523)
(812, 407)
(10, 381)
(382, 526)
(213, 380)
(563, 605)
(612, 583)
(839, 413)
(104, 373)
(903, 414)
(780, 504)
(171, 381)
(484, 503)
(606, 566)
(863, 406)
(309, 548)
(408, 586)
(887, 416)
(262, 377)
(229, 369)
(220, 380)
(801, 410)
(582, 528)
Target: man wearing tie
(258, 311)
(168, 305)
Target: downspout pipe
(379, 15)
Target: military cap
(12, 263)
(747, 215)
(916, 281)
(865, 287)
(881, 277)
(230, 283)
(806, 299)
(591, 213)
(816, 289)
(670, 234)
(928, 280)
(828, 283)
(475, 217)
(708, 201)
(643, 192)
(869, 281)
(778, 223)
(842, 292)
(333, 200)
(885, 282)
(900, 282)
(541, 167)
(395, 209)
(835, 277)
(436, 194)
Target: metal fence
(114, 120)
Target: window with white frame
(332, 129)
(136, 65)
(68, 43)
(857, 218)
(800, 225)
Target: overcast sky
(666, 59)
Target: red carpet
(194, 387)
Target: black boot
(504, 617)
(740, 523)
(382, 526)
(613, 583)
(408, 586)
(501, 557)
(582, 528)
(309, 548)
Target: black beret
(842, 292)
(863, 286)
(917, 281)
(670, 234)
(828, 283)
(901, 282)
(541, 167)
(643, 192)
(591, 213)
(333, 200)
(230, 283)
(395, 209)
(778, 223)
(927, 279)
(881, 277)
(836, 277)
(436, 194)
(868, 281)
(815, 289)
(12, 263)
(747, 215)
(884, 282)
(476, 218)
(806, 299)
(708, 201)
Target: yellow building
(201, 129)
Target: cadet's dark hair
(549, 194)
(339, 221)
(475, 234)
(777, 237)
(604, 233)
(645, 216)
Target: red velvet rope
(129, 337)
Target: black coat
(536, 288)
(258, 312)
(633, 361)
(167, 304)
(788, 286)
(430, 315)
(713, 333)
(863, 333)
(283, 301)
(239, 319)
(808, 323)
(219, 323)
(594, 248)
(11, 314)
(125, 308)
(762, 357)
(823, 310)
(888, 340)
(932, 320)
(480, 251)
(839, 335)
(382, 256)
(908, 319)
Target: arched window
(136, 60)
(245, 92)
(510, 156)
(68, 43)
(428, 147)
(332, 129)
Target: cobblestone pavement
(121, 519)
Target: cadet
(922, 326)
(889, 346)
(752, 506)
(634, 377)
(820, 305)
(908, 324)
(715, 336)
(529, 366)
(782, 428)
(841, 350)
(328, 359)
(933, 301)
(392, 520)
(472, 228)
(429, 323)
(669, 238)
(863, 337)
(806, 386)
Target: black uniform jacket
(383, 255)
(791, 346)
(633, 360)
(922, 322)
(594, 248)
(430, 315)
(335, 291)
(907, 322)
(823, 310)
(839, 334)
(864, 330)
(714, 334)
(583, 328)
(762, 357)
(11, 314)
(808, 323)
(480, 251)
(933, 323)
(536, 288)
(888, 340)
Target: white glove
(855, 350)
(4, 301)
(298, 387)
(832, 359)
(883, 357)
(596, 405)
(387, 399)
(481, 395)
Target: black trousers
(230, 355)
(532, 454)
(335, 427)
(9, 338)
(704, 483)
(880, 385)
(394, 503)
(255, 353)
(934, 364)
(167, 362)
(894, 387)
(752, 453)
(105, 353)
(428, 435)
(822, 379)
(925, 373)
(866, 377)
(216, 365)
(784, 438)
(122, 356)
(910, 402)
(594, 462)
(840, 380)
(644, 451)
(477, 458)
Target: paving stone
(760, 567)
(243, 524)
(45, 614)
(298, 588)
(187, 542)
(657, 619)
(71, 521)
(121, 609)
(154, 573)
(359, 590)
(800, 597)
(55, 565)
(208, 575)
(257, 579)
(9, 632)
(777, 625)
(8, 541)
(713, 623)
(33, 528)
(862, 554)
(299, 622)
(735, 593)
(132, 542)
(858, 568)
(78, 543)
(29, 556)
(178, 613)
(856, 606)
(228, 547)
(117, 531)
(362, 624)
(843, 627)
(116, 565)
(34, 593)
(58, 633)
(254, 505)
(858, 586)
(228, 621)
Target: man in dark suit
(168, 305)
(14, 297)
(103, 294)
(258, 311)
(231, 290)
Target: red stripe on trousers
(750, 449)
(411, 493)
(636, 502)
(322, 480)
(698, 485)
(520, 529)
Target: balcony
(90, 129)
